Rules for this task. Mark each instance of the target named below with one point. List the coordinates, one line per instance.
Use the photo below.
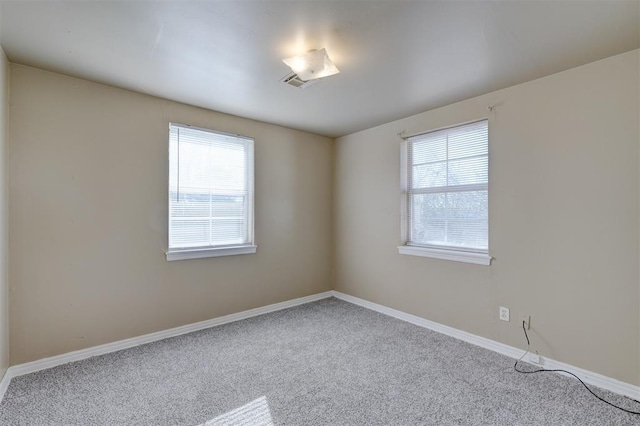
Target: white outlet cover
(535, 359)
(504, 313)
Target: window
(210, 193)
(446, 194)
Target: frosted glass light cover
(312, 65)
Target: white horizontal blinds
(210, 188)
(447, 188)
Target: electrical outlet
(504, 313)
(535, 358)
(527, 321)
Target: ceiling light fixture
(312, 65)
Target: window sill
(209, 252)
(456, 256)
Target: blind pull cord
(178, 179)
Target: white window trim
(454, 255)
(205, 252)
(431, 252)
(201, 253)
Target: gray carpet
(324, 363)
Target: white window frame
(479, 257)
(216, 250)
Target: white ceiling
(397, 57)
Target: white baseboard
(43, 364)
(4, 384)
(587, 376)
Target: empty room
(319, 212)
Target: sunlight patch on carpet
(255, 413)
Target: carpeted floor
(324, 363)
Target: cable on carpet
(544, 370)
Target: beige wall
(564, 188)
(4, 237)
(88, 189)
(88, 219)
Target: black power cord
(543, 370)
